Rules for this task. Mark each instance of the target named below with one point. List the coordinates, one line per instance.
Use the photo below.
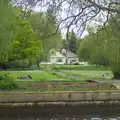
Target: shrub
(18, 64)
(7, 82)
(76, 63)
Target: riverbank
(70, 104)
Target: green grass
(89, 73)
(79, 67)
(36, 75)
(82, 72)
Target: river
(85, 112)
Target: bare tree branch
(75, 14)
(106, 8)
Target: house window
(73, 60)
(48, 60)
(59, 60)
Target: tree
(78, 13)
(44, 25)
(86, 48)
(7, 27)
(99, 60)
(105, 43)
(26, 45)
(72, 40)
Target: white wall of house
(72, 60)
(56, 58)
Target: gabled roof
(71, 54)
(60, 54)
(57, 54)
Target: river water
(85, 112)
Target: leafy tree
(26, 45)
(86, 48)
(43, 56)
(7, 27)
(106, 44)
(72, 40)
(99, 60)
(44, 25)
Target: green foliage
(18, 64)
(17, 35)
(86, 48)
(106, 44)
(99, 60)
(7, 26)
(26, 36)
(72, 42)
(7, 82)
(45, 25)
(26, 43)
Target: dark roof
(71, 54)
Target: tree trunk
(37, 63)
(116, 75)
(3, 66)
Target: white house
(71, 57)
(56, 58)
(62, 57)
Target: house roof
(71, 54)
(57, 54)
(60, 54)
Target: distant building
(62, 57)
(71, 58)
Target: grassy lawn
(36, 75)
(89, 73)
(82, 72)
(79, 67)
(43, 79)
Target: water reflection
(85, 112)
(58, 118)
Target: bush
(7, 82)
(76, 63)
(100, 60)
(18, 64)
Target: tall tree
(7, 29)
(7, 25)
(78, 13)
(44, 25)
(26, 44)
(106, 44)
(72, 40)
